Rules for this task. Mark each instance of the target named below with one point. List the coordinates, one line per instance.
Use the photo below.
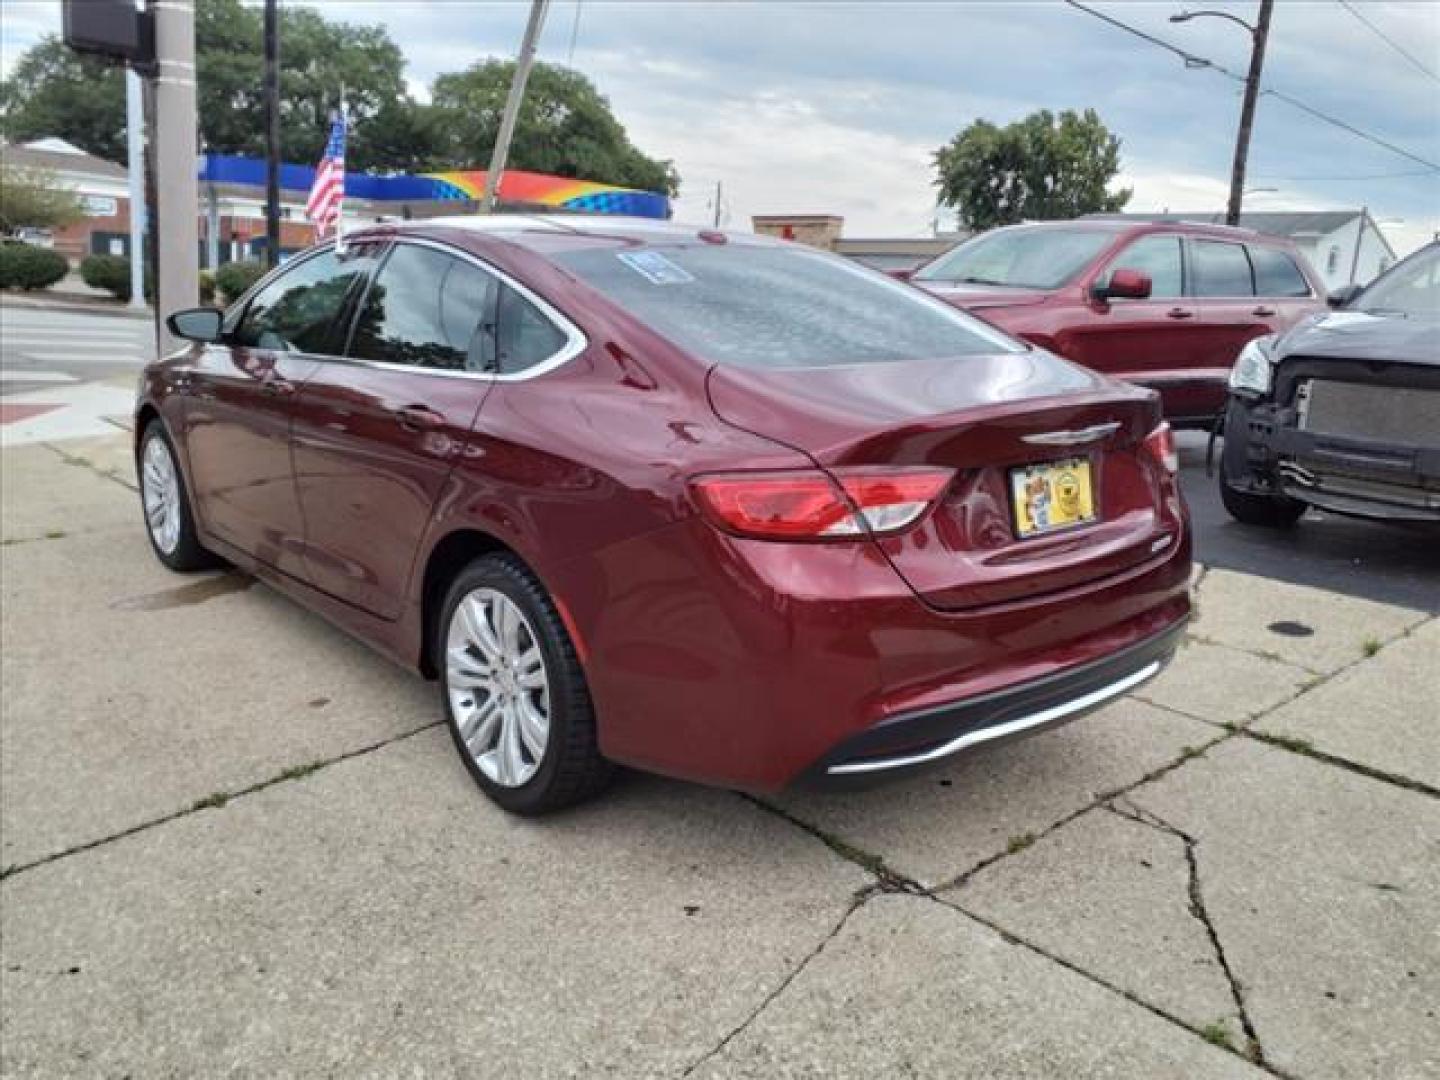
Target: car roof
(558, 232)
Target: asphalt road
(49, 351)
(1329, 551)
(41, 348)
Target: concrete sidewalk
(236, 842)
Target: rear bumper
(912, 742)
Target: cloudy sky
(838, 108)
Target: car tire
(1270, 511)
(165, 504)
(506, 662)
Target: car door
(1151, 341)
(1283, 295)
(240, 400)
(377, 432)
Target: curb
(88, 307)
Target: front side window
(426, 309)
(779, 306)
(1412, 288)
(1221, 269)
(1276, 273)
(1030, 258)
(300, 310)
(1159, 257)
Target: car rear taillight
(809, 504)
(1160, 445)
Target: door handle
(1180, 313)
(1263, 312)
(275, 386)
(418, 418)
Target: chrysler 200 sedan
(701, 503)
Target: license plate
(1055, 495)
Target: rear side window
(780, 306)
(1276, 273)
(525, 335)
(426, 309)
(1158, 256)
(300, 310)
(1221, 269)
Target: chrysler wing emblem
(1072, 438)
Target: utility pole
(1247, 112)
(135, 166)
(176, 188)
(1258, 35)
(272, 133)
(523, 63)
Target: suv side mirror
(1124, 283)
(1342, 296)
(195, 324)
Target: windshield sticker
(654, 267)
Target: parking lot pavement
(235, 841)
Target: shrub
(232, 279)
(207, 287)
(108, 272)
(24, 266)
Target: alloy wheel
(160, 494)
(498, 688)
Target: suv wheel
(514, 692)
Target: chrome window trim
(575, 340)
(1011, 727)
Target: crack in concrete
(856, 903)
(1304, 749)
(216, 801)
(1122, 807)
(86, 463)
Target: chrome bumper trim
(1011, 727)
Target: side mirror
(195, 324)
(1342, 296)
(900, 273)
(1126, 284)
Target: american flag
(328, 192)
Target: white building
(1344, 246)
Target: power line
(1327, 179)
(1194, 61)
(1389, 41)
(574, 33)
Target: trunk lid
(982, 416)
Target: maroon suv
(1167, 306)
(715, 506)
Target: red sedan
(709, 505)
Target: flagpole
(340, 210)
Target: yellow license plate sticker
(1052, 496)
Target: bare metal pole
(135, 164)
(523, 63)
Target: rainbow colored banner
(562, 193)
(516, 188)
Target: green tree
(53, 91)
(1041, 168)
(566, 127)
(35, 198)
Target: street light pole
(1259, 33)
(523, 63)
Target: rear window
(764, 306)
(1022, 258)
